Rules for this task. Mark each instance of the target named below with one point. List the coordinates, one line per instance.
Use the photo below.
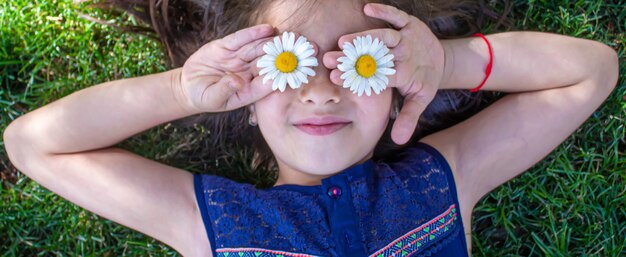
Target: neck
(288, 175)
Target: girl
(330, 198)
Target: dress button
(334, 192)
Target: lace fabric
(406, 208)
(241, 215)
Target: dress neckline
(352, 173)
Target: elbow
(19, 150)
(10, 138)
(610, 67)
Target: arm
(105, 114)
(571, 78)
(522, 61)
(65, 146)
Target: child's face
(312, 157)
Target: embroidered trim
(420, 237)
(256, 252)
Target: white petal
(299, 42)
(364, 47)
(301, 76)
(282, 81)
(372, 49)
(381, 84)
(364, 85)
(284, 40)
(380, 52)
(307, 53)
(292, 81)
(350, 85)
(343, 59)
(368, 41)
(351, 80)
(351, 53)
(290, 41)
(271, 75)
(358, 45)
(307, 71)
(268, 57)
(346, 62)
(309, 62)
(264, 63)
(383, 78)
(350, 73)
(375, 82)
(354, 86)
(374, 46)
(385, 65)
(275, 83)
(368, 88)
(344, 67)
(299, 49)
(386, 71)
(346, 84)
(265, 79)
(278, 45)
(266, 70)
(269, 48)
(349, 50)
(385, 59)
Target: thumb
(222, 91)
(406, 122)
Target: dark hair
(183, 26)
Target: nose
(320, 90)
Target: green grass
(569, 204)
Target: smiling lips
(321, 126)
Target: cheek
(375, 109)
(271, 110)
(374, 118)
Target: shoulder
(447, 152)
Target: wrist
(180, 97)
(448, 64)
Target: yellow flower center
(365, 66)
(286, 62)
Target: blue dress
(404, 208)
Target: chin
(324, 164)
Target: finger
(217, 96)
(238, 39)
(406, 122)
(388, 13)
(330, 59)
(250, 92)
(390, 37)
(253, 50)
(234, 91)
(335, 77)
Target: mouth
(321, 130)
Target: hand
(222, 75)
(418, 60)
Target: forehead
(322, 22)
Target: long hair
(183, 26)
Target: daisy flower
(287, 62)
(365, 65)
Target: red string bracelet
(488, 70)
